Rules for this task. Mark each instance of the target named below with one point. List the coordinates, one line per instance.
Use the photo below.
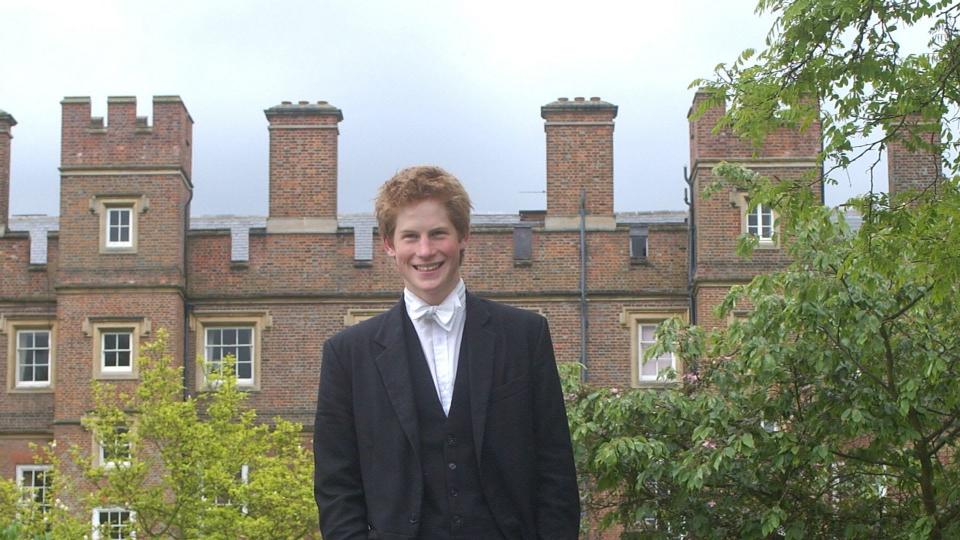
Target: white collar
(443, 313)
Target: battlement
(709, 147)
(126, 141)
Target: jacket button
(457, 521)
(414, 519)
(452, 466)
(451, 440)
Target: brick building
(78, 292)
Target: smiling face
(426, 248)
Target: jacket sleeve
(557, 494)
(337, 486)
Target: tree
(194, 467)
(833, 409)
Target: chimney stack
(913, 154)
(303, 167)
(6, 122)
(579, 158)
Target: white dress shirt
(440, 329)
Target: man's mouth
(427, 267)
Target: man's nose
(424, 246)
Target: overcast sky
(458, 84)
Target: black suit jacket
(368, 482)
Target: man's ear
(388, 246)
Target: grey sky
(453, 83)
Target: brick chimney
(303, 167)
(916, 168)
(6, 122)
(579, 157)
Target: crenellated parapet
(126, 141)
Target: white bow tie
(442, 314)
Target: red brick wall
(579, 156)
(303, 160)
(124, 143)
(918, 168)
(75, 349)
(322, 264)
(18, 281)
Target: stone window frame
(95, 327)
(44, 502)
(633, 318)
(11, 326)
(259, 321)
(102, 204)
(358, 315)
(95, 520)
(741, 199)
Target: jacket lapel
(478, 344)
(395, 372)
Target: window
(522, 244)
(638, 243)
(30, 353)
(223, 333)
(115, 523)
(236, 341)
(120, 227)
(760, 223)
(119, 221)
(653, 369)
(33, 358)
(113, 450)
(243, 477)
(116, 351)
(35, 481)
(116, 342)
(642, 323)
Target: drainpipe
(187, 307)
(689, 194)
(584, 372)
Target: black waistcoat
(453, 502)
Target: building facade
(80, 292)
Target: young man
(442, 418)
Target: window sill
(640, 261)
(48, 389)
(122, 376)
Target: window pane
(110, 359)
(124, 234)
(41, 357)
(244, 336)
(230, 336)
(213, 337)
(25, 340)
(648, 332)
(110, 341)
(42, 374)
(123, 359)
(649, 369)
(123, 341)
(245, 371)
(243, 354)
(41, 339)
(124, 217)
(767, 232)
(114, 218)
(752, 220)
(26, 373)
